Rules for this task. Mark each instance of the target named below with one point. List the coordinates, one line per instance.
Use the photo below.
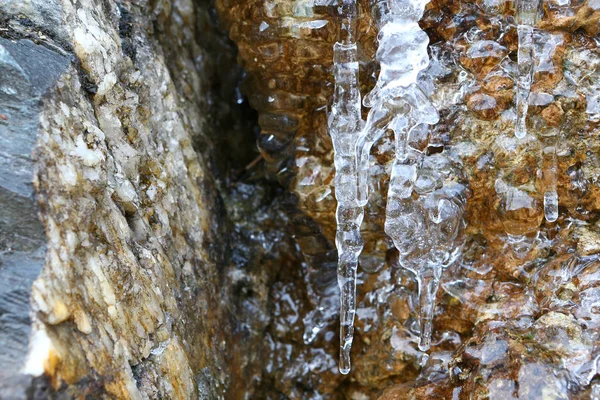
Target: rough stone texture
(157, 235)
(26, 72)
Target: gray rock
(42, 15)
(27, 71)
(148, 275)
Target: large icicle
(397, 103)
(344, 126)
(402, 54)
(527, 13)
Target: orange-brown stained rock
(477, 125)
(585, 17)
(553, 114)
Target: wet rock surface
(491, 297)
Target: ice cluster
(425, 204)
(527, 12)
(426, 198)
(527, 16)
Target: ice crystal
(424, 210)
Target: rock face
(147, 250)
(154, 243)
(25, 77)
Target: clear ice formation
(527, 13)
(424, 218)
(425, 205)
(345, 124)
(549, 173)
(424, 212)
(549, 135)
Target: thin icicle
(429, 283)
(527, 12)
(550, 176)
(344, 125)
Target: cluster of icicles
(425, 205)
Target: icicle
(550, 174)
(344, 125)
(429, 283)
(550, 181)
(402, 54)
(527, 12)
(377, 123)
(397, 103)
